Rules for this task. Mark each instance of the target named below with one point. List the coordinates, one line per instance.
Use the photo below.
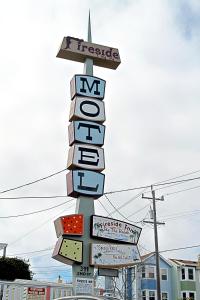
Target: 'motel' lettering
(87, 86)
(87, 93)
(86, 132)
(84, 182)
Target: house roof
(40, 283)
(144, 257)
(182, 262)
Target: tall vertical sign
(85, 180)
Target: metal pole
(4, 252)
(85, 205)
(156, 246)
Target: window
(143, 272)
(163, 274)
(183, 274)
(148, 272)
(149, 295)
(144, 295)
(190, 273)
(191, 296)
(69, 293)
(164, 296)
(188, 296)
(184, 296)
(152, 295)
(64, 293)
(151, 272)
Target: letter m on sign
(87, 86)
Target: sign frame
(108, 272)
(113, 239)
(91, 287)
(59, 257)
(114, 265)
(72, 189)
(71, 47)
(87, 137)
(75, 90)
(78, 113)
(75, 156)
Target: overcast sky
(152, 109)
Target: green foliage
(14, 268)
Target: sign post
(79, 235)
(83, 275)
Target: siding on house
(149, 284)
(188, 286)
(185, 285)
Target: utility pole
(3, 247)
(155, 223)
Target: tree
(14, 268)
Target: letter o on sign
(89, 108)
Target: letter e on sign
(86, 156)
(87, 86)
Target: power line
(137, 211)
(37, 211)
(36, 228)
(32, 197)
(154, 184)
(103, 207)
(178, 181)
(184, 190)
(127, 202)
(31, 252)
(33, 182)
(65, 273)
(183, 214)
(161, 183)
(115, 208)
(128, 189)
(63, 266)
(162, 251)
(181, 248)
(183, 175)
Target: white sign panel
(112, 229)
(78, 50)
(86, 156)
(86, 132)
(87, 109)
(114, 255)
(84, 286)
(84, 182)
(87, 86)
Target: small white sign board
(83, 108)
(84, 286)
(86, 157)
(107, 228)
(114, 255)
